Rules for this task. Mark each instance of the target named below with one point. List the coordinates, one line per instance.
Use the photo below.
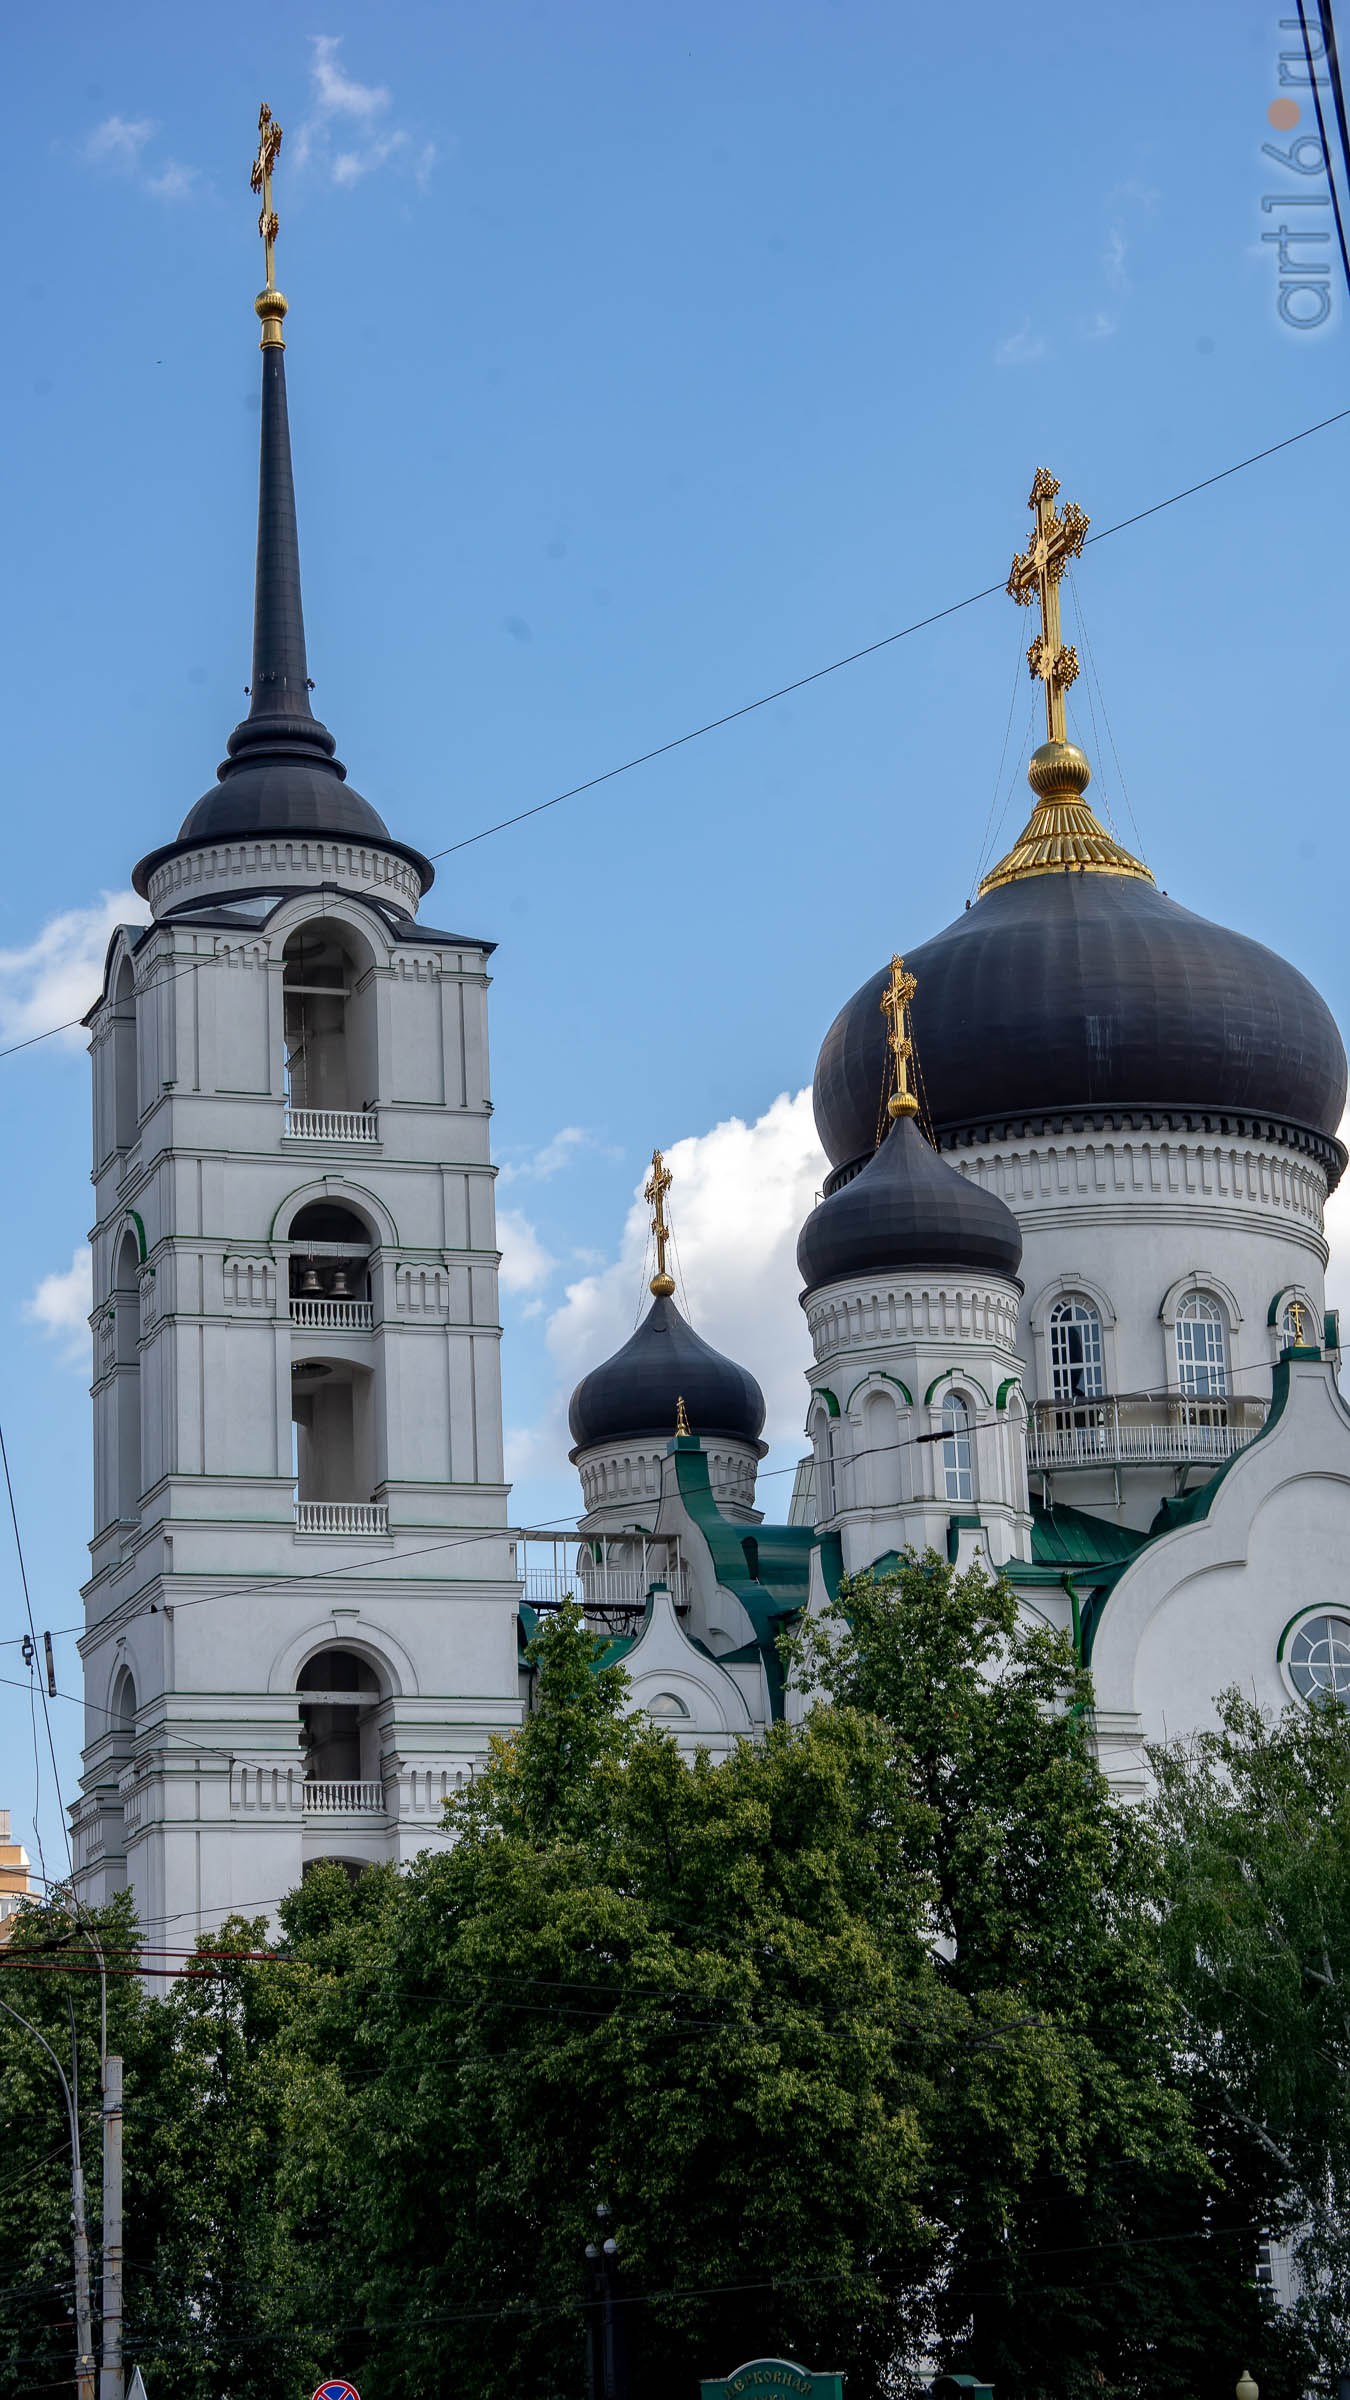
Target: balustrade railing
(1147, 1431)
(324, 1799)
(333, 1316)
(341, 1516)
(331, 1125)
(600, 1587)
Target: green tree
(699, 1994)
(1101, 2223)
(1254, 1818)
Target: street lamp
(1246, 2387)
(606, 2361)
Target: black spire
(280, 719)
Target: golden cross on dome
(1296, 1312)
(681, 1417)
(270, 305)
(1036, 575)
(654, 1193)
(895, 1002)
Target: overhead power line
(748, 708)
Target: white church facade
(1063, 1292)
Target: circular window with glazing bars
(1319, 1659)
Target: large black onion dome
(635, 1394)
(1091, 993)
(279, 775)
(907, 1208)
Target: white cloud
(525, 1261)
(1113, 258)
(738, 1201)
(62, 1302)
(118, 141)
(1020, 349)
(347, 134)
(175, 183)
(57, 976)
(557, 1152)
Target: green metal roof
(1070, 1537)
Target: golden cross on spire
(270, 303)
(654, 1193)
(1036, 574)
(895, 1002)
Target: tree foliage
(1255, 1823)
(862, 2034)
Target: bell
(339, 1287)
(311, 1288)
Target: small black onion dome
(634, 1395)
(1086, 991)
(907, 1208)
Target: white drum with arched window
(1077, 1367)
(957, 1465)
(1202, 1347)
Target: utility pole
(606, 2350)
(110, 2383)
(84, 2331)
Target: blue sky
(641, 361)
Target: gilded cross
(1036, 575)
(1296, 1312)
(895, 1002)
(269, 142)
(654, 1193)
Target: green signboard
(774, 2379)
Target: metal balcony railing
(343, 1799)
(1140, 1430)
(341, 1516)
(333, 1316)
(600, 1587)
(331, 1125)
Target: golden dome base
(1063, 833)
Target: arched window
(666, 1706)
(329, 1019)
(122, 1708)
(339, 1695)
(1076, 1367)
(956, 1460)
(125, 1096)
(1319, 1659)
(1202, 1347)
(127, 1375)
(1298, 1324)
(331, 1265)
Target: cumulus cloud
(62, 1302)
(123, 144)
(525, 1261)
(349, 133)
(56, 977)
(1020, 349)
(556, 1153)
(739, 1196)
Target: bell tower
(301, 1616)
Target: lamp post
(84, 2334)
(606, 2360)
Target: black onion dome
(635, 1394)
(1070, 993)
(907, 1208)
(280, 774)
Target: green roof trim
(880, 1372)
(1273, 1312)
(823, 1392)
(1071, 1537)
(956, 1526)
(1010, 1383)
(783, 1552)
(965, 1377)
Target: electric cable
(1332, 185)
(749, 707)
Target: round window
(1319, 1659)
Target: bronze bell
(311, 1288)
(339, 1287)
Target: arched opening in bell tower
(127, 1375)
(339, 1695)
(125, 1093)
(333, 1439)
(330, 1255)
(329, 1005)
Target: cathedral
(1063, 1292)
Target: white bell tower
(301, 1617)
